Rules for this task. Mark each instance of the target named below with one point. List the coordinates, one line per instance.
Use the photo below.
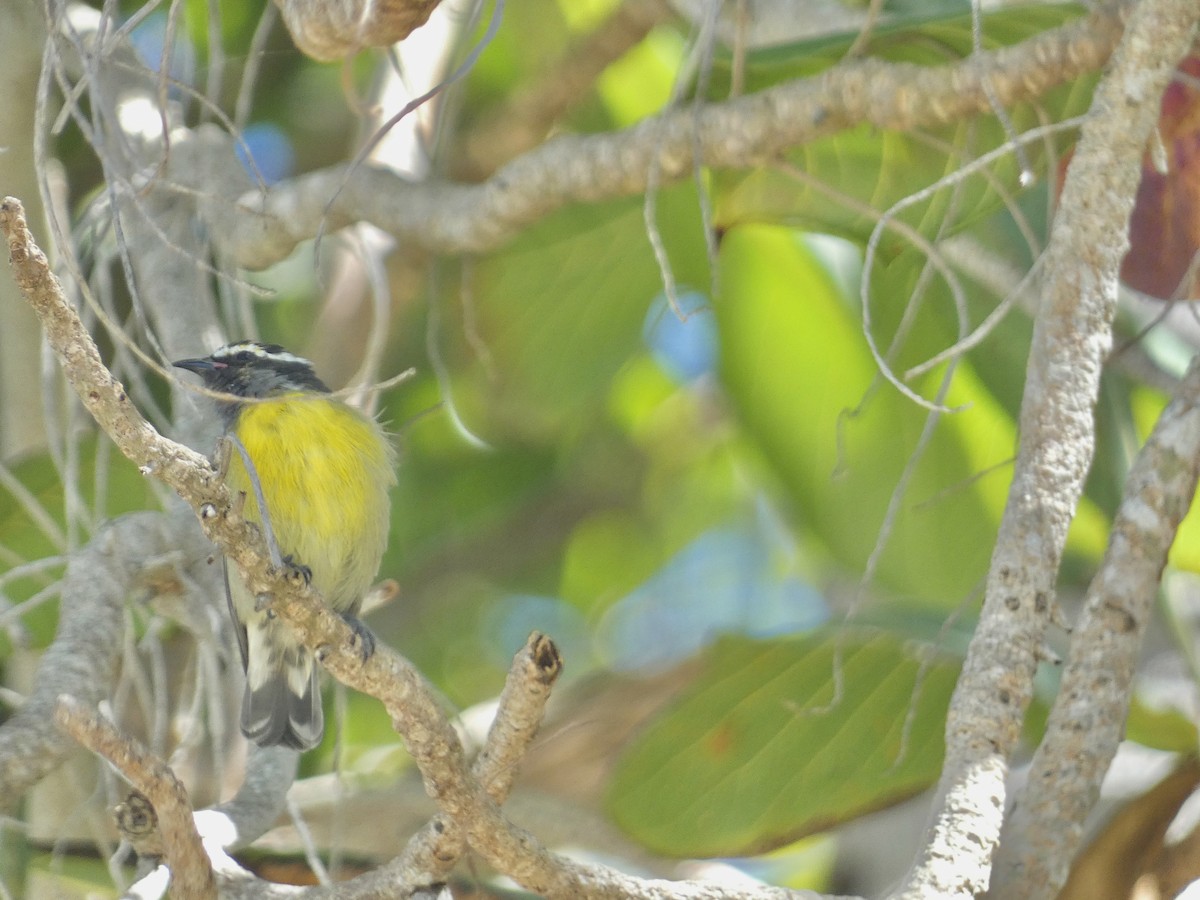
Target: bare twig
(518, 716)
(264, 228)
(522, 705)
(191, 874)
(1072, 334)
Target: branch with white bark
(1087, 721)
(1072, 336)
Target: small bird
(324, 470)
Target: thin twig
(519, 714)
(82, 660)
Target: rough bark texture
(1072, 336)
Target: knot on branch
(138, 823)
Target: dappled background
(740, 444)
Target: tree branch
(256, 806)
(1087, 722)
(191, 874)
(392, 680)
(518, 716)
(264, 227)
(432, 853)
(1072, 335)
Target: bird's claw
(295, 571)
(363, 636)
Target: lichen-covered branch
(1072, 336)
(263, 228)
(1087, 722)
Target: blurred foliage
(640, 475)
(34, 521)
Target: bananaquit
(324, 470)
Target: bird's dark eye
(244, 356)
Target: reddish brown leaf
(1164, 231)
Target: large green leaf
(797, 369)
(761, 751)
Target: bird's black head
(253, 369)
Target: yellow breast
(325, 470)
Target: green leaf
(1160, 727)
(760, 752)
(797, 369)
(607, 556)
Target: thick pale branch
(191, 874)
(263, 228)
(1072, 335)
(1088, 718)
(256, 806)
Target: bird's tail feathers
(284, 706)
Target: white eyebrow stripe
(249, 347)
